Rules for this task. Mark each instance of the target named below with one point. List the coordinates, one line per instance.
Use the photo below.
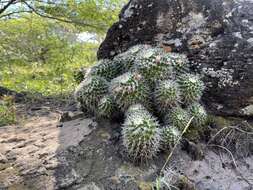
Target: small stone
(59, 125)
(145, 185)
(247, 111)
(3, 159)
(105, 136)
(115, 179)
(66, 116)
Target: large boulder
(217, 37)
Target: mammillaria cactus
(151, 65)
(167, 94)
(142, 82)
(90, 91)
(178, 117)
(128, 89)
(141, 135)
(105, 68)
(170, 135)
(191, 87)
(199, 115)
(106, 107)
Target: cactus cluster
(153, 89)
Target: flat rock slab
(30, 153)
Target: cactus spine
(105, 68)
(179, 63)
(126, 60)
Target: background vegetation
(43, 42)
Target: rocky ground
(50, 150)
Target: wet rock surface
(217, 37)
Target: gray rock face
(217, 37)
